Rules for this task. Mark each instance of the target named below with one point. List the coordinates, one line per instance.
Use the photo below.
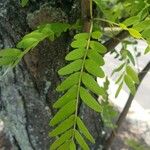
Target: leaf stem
(82, 69)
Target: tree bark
(28, 91)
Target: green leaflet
(89, 100)
(142, 25)
(84, 130)
(75, 54)
(63, 113)
(27, 42)
(58, 28)
(91, 84)
(24, 2)
(98, 47)
(66, 136)
(96, 35)
(131, 58)
(65, 125)
(118, 69)
(8, 56)
(131, 21)
(72, 67)
(94, 69)
(119, 89)
(64, 146)
(69, 82)
(70, 95)
(135, 33)
(79, 43)
(81, 36)
(147, 50)
(81, 141)
(36, 35)
(92, 54)
(130, 84)
(146, 33)
(47, 31)
(6, 61)
(119, 78)
(72, 145)
(132, 74)
(10, 52)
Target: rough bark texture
(28, 91)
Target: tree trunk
(28, 91)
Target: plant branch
(124, 113)
(114, 41)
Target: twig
(124, 113)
